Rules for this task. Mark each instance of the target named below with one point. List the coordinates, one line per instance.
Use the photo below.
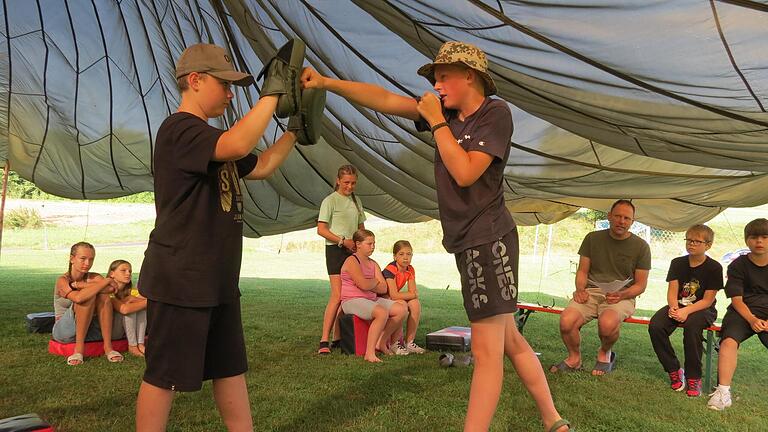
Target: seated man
(608, 255)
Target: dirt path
(81, 213)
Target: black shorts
(489, 277)
(737, 328)
(334, 258)
(187, 346)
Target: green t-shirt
(612, 259)
(341, 215)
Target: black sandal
(336, 344)
(324, 348)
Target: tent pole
(6, 168)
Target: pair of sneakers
(678, 382)
(404, 349)
(282, 77)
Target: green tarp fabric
(661, 102)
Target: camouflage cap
(461, 53)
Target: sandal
(324, 348)
(75, 359)
(336, 344)
(604, 367)
(114, 357)
(558, 424)
(564, 367)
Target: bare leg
(531, 374)
(374, 333)
(571, 321)
(83, 318)
(488, 374)
(153, 406)
(105, 312)
(414, 314)
(608, 325)
(231, 396)
(395, 319)
(331, 309)
(726, 365)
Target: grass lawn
(292, 389)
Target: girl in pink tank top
(361, 280)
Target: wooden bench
(524, 310)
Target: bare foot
(134, 350)
(142, 348)
(372, 358)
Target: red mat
(92, 349)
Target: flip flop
(75, 359)
(604, 367)
(558, 424)
(114, 357)
(564, 367)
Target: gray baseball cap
(213, 60)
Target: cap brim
(235, 77)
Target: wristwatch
(341, 241)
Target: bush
(23, 217)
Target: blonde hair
(704, 230)
(347, 170)
(72, 253)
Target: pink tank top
(348, 288)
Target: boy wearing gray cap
(192, 263)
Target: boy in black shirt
(472, 133)
(192, 263)
(747, 288)
(693, 283)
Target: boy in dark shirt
(747, 287)
(694, 280)
(192, 263)
(472, 132)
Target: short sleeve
(246, 165)
(413, 272)
(735, 285)
(361, 212)
(387, 273)
(326, 210)
(714, 276)
(195, 143)
(674, 270)
(585, 249)
(645, 259)
(493, 131)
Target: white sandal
(75, 359)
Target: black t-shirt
(693, 281)
(750, 281)
(194, 251)
(476, 214)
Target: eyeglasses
(696, 242)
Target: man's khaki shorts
(596, 305)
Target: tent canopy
(661, 102)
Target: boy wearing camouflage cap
(472, 133)
(192, 263)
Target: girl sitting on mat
(361, 280)
(78, 296)
(397, 274)
(128, 302)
